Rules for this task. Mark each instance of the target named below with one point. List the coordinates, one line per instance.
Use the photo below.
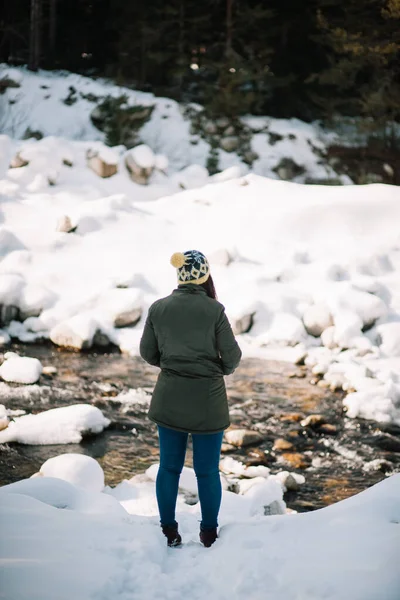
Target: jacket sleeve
(227, 345)
(149, 350)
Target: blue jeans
(206, 453)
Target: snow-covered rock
(21, 369)
(242, 437)
(78, 469)
(103, 165)
(64, 224)
(77, 332)
(140, 162)
(66, 425)
(316, 319)
(3, 417)
(123, 306)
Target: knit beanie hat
(192, 267)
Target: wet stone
(388, 442)
(292, 417)
(328, 429)
(281, 444)
(295, 460)
(313, 421)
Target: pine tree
(363, 41)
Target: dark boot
(208, 536)
(172, 535)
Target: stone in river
(281, 444)
(295, 460)
(313, 421)
(243, 437)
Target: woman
(188, 336)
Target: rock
(76, 332)
(281, 444)
(328, 429)
(276, 507)
(387, 442)
(320, 369)
(64, 224)
(295, 460)
(222, 122)
(290, 481)
(17, 369)
(18, 161)
(328, 338)
(287, 169)
(49, 371)
(3, 417)
(139, 174)
(34, 299)
(243, 437)
(292, 417)
(100, 339)
(210, 128)
(229, 131)
(316, 319)
(123, 306)
(229, 144)
(243, 324)
(256, 457)
(220, 257)
(313, 421)
(100, 166)
(227, 448)
(379, 464)
(249, 157)
(323, 181)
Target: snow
(321, 258)
(21, 369)
(79, 470)
(66, 425)
(51, 529)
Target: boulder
(229, 143)
(316, 319)
(280, 444)
(17, 369)
(102, 166)
(18, 161)
(222, 122)
(243, 437)
(243, 324)
(123, 306)
(287, 169)
(210, 128)
(140, 162)
(64, 224)
(77, 332)
(3, 417)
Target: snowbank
(66, 425)
(348, 550)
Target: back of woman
(188, 336)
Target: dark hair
(210, 288)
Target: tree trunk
(53, 31)
(229, 28)
(35, 31)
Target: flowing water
(269, 397)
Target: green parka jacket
(188, 336)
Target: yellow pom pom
(178, 260)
